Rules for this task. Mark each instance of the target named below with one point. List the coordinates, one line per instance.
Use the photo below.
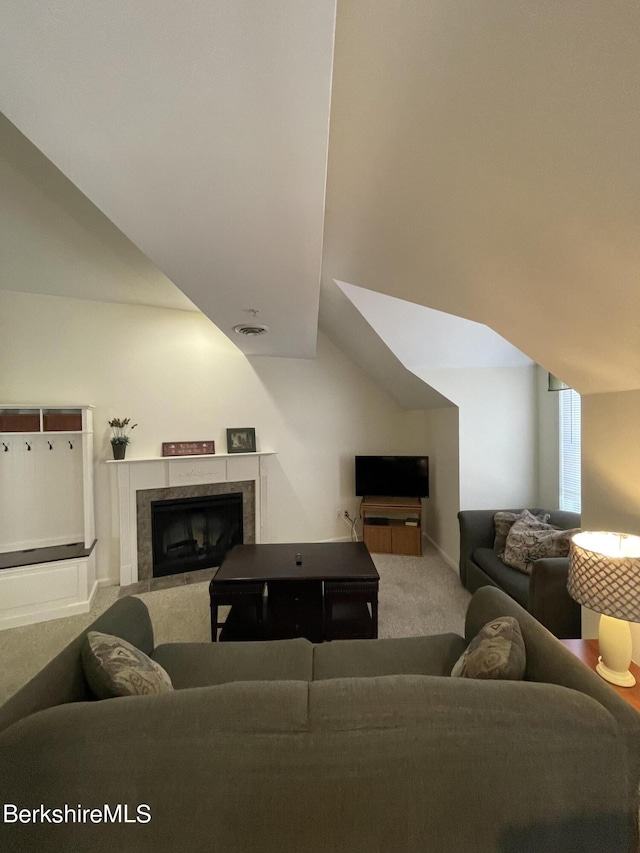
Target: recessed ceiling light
(250, 330)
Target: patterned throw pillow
(503, 522)
(531, 540)
(114, 667)
(496, 652)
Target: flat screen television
(392, 476)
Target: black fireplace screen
(194, 533)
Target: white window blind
(570, 481)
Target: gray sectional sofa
(360, 745)
(543, 593)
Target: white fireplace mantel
(131, 475)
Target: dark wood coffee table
(321, 590)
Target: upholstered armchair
(543, 592)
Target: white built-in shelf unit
(47, 525)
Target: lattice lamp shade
(604, 575)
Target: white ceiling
(42, 213)
(200, 129)
(484, 160)
(484, 157)
(424, 337)
(351, 330)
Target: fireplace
(194, 533)
(138, 482)
(186, 528)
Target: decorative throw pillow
(503, 522)
(530, 540)
(113, 667)
(497, 651)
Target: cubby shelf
(33, 420)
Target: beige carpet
(418, 595)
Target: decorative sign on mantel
(188, 448)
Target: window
(570, 481)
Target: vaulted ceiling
(483, 157)
(200, 129)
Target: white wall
(180, 378)
(516, 454)
(497, 433)
(441, 510)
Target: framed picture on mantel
(241, 440)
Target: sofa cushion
(63, 680)
(433, 655)
(515, 584)
(504, 520)
(113, 667)
(497, 651)
(530, 540)
(206, 664)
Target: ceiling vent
(250, 330)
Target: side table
(588, 652)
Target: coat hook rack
(28, 445)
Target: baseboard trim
(443, 554)
(92, 594)
(337, 539)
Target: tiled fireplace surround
(136, 482)
(145, 497)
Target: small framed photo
(241, 440)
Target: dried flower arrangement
(121, 430)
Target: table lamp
(604, 575)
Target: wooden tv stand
(392, 534)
